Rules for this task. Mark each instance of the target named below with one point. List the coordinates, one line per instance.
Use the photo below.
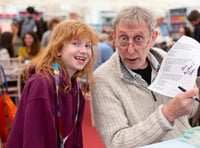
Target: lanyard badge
(59, 123)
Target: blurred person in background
(103, 37)
(185, 30)
(39, 18)
(30, 24)
(15, 27)
(7, 41)
(163, 41)
(18, 40)
(46, 36)
(75, 13)
(30, 47)
(104, 50)
(194, 19)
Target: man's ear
(154, 36)
(112, 33)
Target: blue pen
(193, 97)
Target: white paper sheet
(179, 68)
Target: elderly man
(126, 113)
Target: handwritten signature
(188, 68)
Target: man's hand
(180, 105)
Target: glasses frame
(135, 45)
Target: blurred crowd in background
(30, 34)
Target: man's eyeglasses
(138, 42)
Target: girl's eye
(88, 45)
(79, 44)
(75, 43)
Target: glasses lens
(124, 41)
(138, 42)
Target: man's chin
(133, 65)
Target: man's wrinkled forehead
(133, 32)
(132, 26)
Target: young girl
(51, 108)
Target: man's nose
(131, 48)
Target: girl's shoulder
(41, 80)
(38, 87)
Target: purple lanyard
(60, 125)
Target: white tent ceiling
(53, 7)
